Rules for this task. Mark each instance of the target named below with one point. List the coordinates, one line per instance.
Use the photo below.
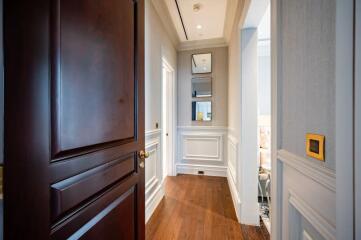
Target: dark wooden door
(74, 119)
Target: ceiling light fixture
(196, 7)
(199, 26)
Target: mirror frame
(196, 113)
(211, 80)
(192, 60)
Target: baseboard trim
(235, 196)
(153, 201)
(209, 170)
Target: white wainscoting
(154, 189)
(309, 193)
(201, 148)
(232, 158)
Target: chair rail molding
(317, 172)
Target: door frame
(276, 166)
(173, 114)
(357, 112)
(344, 147)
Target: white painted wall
(234, 174)
(158, 44)
(249, 126)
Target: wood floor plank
(198, 207)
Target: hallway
(198, 207)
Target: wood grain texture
(74, 119)
(199, 207)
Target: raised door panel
(93, 73)
(74, 118)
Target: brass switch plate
(315, 146)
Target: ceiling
(207, 21)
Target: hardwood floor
(199, 207)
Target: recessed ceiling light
(199, 26)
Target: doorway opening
(264, 116)
(256, 114)
(168, 119)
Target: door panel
(74, 119)
(78, 222)
(93, 63)
(68, 193)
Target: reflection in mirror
(202, 63)
(201, 87)
(201, 111)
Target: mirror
(201, 63)
(201, 111)
(201, 87)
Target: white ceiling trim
(232, 6)
(166, 19)
(255, 13)
(235, 14)
(200, 44)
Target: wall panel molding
(232, 160)
(306, 197)
(202, 145)
(318, 172)
(210, 147)
(154, 189)
(232, 156)
(322, 225)
(152, 133)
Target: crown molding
(200, 44)
(235, 15)
(164, 15)
(231, 12)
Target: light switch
(315, 146)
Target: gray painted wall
(157, 44)
(357, 177)
(308, 75)
(219, 87)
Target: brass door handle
(143, 154)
